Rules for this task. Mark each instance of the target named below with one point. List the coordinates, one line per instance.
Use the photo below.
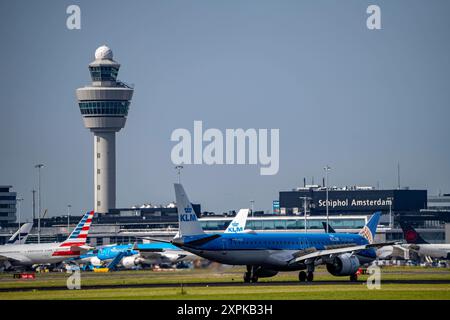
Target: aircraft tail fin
(411, 235)
(330, 228)
(21, 235)
(79, 235)
(238, 223)
(188, 223)
(370, 229)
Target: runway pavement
(222, 284)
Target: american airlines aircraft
(265, 254)
(30, 254)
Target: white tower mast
(104, 107)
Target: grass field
(358, 290)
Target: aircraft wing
(14, 257)
(302, 256)
(149, 253)
(155, 239)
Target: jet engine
(131, 262)
(96, 262)
(344, 265)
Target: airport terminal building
(351, 201)
(7, 205)
(349, 209)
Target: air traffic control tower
(104, 108)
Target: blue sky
(343, 95)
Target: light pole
(178, 168)
(68, 218)
(327, 168)
(19, 200)
(390, 211)
(39, 166)
(34, 204)
(252, 203)
(304, 210)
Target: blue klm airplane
(132, 255)
(265, 254)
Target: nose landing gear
(250, 276)
(354, 277)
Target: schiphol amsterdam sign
(355, 203)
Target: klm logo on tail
(234, 227)
(188, 216)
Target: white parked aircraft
(21, 235)
(420, 246)
(30, 254)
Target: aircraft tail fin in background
(411, 235)
(330, 228)
(239, 222)
(78, 236)
(188, 223)
(21, 235)
(370, 229)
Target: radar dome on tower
(103, 53)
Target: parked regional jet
(21, 235)
(132, 255)
(423, 248)
(29, 254)
(265, 254)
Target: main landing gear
(308, 275)
(250, 276)
(354, 277)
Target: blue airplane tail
(370, 229)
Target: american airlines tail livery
(30, 254)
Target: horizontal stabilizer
(202, 241)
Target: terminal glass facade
(288, 224)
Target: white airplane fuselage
(439, 251)
(38, 253)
